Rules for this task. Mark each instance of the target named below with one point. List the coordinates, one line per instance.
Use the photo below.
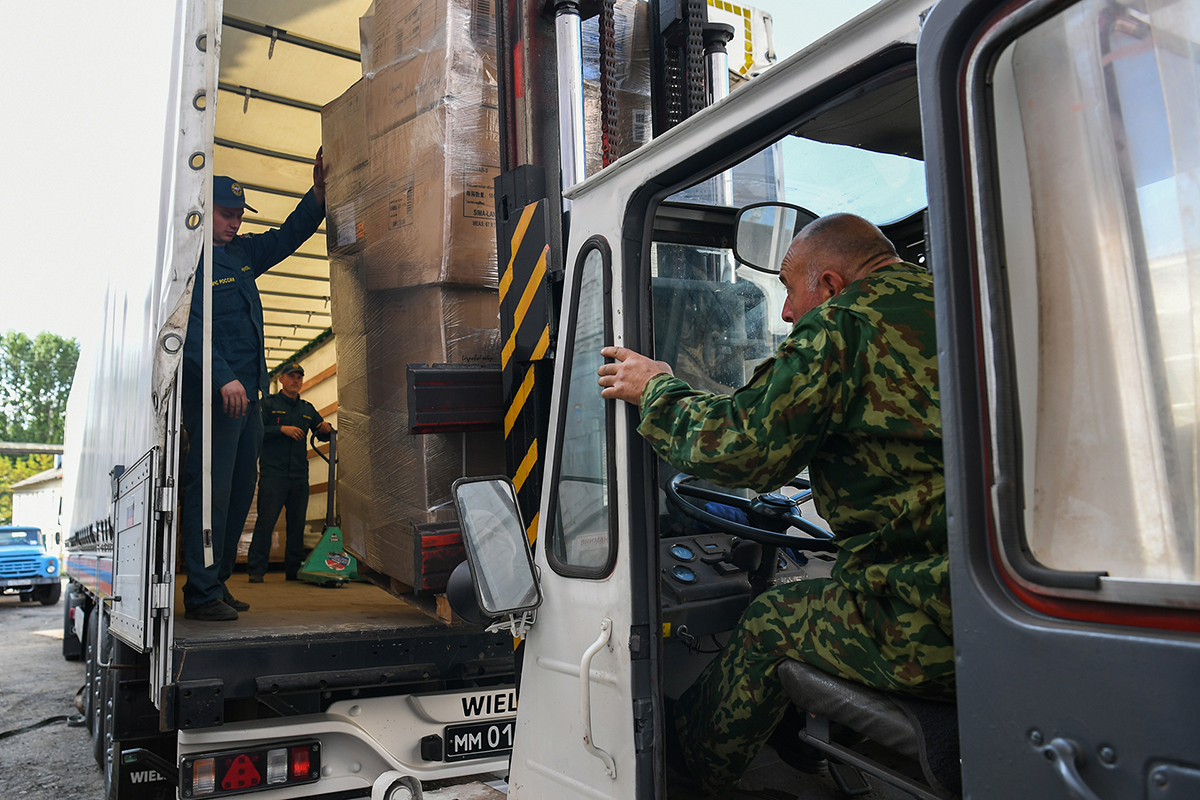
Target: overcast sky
(81, 145)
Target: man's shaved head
(828, 254)
(843, 243)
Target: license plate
(16, 583)
(479, 739)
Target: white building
(37, 503)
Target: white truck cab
(1038, 158)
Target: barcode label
(641, 126)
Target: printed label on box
(348, 229)
(479, 193)
(400, 205)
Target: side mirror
(498, 554)
(764, 233)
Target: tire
(72, 648)
(48, 593)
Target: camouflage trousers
(724, 718)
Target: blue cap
(229, 193)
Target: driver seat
(922, 730)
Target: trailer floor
(298, 607)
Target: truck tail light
(300, 767)
(204, 776)
(250, 769)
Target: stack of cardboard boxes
(412, 150)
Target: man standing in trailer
(239, 374)
(283, 472)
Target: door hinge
(164, 501)
(160, 596)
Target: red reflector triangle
(242, 774)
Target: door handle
(1063, 754)
(585, 697)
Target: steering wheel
(770, 514)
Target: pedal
(849, 779)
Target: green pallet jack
(329, 564)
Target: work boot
(212, 611)
(256, 578)
(234, 603)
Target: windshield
(18, 536)
(829, 178)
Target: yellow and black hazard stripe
(526, 323)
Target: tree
(13, 470)
(35, 379)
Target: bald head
(829, 254)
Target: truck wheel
(72, 648)
(47, 594)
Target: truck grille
(16, 568)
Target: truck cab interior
(715, 319)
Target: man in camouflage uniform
(851, 393)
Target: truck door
(1062, 157)
(585, 703)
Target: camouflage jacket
(851, 393)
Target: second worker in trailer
(283, 472)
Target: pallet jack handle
(331, 520)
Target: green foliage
(35, 379)
(14, 470)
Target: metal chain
(695, 56)
(674, 79)
(610, 127)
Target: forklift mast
(543, 141)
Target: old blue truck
(26, 568)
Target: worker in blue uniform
(283, 472)
(239, 375)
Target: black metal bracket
(453, 398)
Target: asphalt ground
(53, 761)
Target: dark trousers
(275, 494)
(235, 447)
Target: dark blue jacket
(237, 310)
(282, 456)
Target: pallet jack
(329, 565)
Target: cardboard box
(400, 91)
(431, 214)
(423, 325)
(404, 28)
(345, 153)
(391, 482)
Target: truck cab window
(1102, 255)
(580, 543)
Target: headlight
(51, 567)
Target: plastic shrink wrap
(411, 150)
(630, 83)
